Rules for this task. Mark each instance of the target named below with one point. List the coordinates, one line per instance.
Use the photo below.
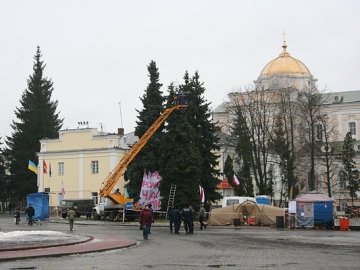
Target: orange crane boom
(110, 181)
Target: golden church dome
(285, 65)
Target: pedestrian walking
(71, 216)
(177, 219)
(17, 215)
(202, 216)
(170, 215)
(30, 212)
(187, 216)
(146, 220)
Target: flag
(236, 181)
(44, 167)
(202, 194)
(49, 169)
(32, 167)
(62, 188)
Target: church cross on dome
(284, 46)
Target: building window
(352, 128)
(61, 168)
(319, 132)
(95, 197)
(94, 167)
(342, 183)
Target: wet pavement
(213, 248)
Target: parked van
(227, 201)
(81, 207)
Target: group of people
(175, 215)
(29, 212)
(187, 216)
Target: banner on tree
(150, 192)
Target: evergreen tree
(189, 145)
(349, 166)
(229, 169)
(206, 140)
(244, 152)
(147, 159)
(36, 119)
(180, 157)
(281, 147)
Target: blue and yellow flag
(32, 167)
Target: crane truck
(112, 202)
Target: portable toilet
(40, 202)
(314, 209)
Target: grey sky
(96, 52)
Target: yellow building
(75, 165)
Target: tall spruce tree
(180, 157)
(147, 160)
(351, 175)
(36, 119)
(205, 138)
(187, 156)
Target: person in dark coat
(170, 215)
(17, 215)
(187, 216)
(177, 219)
(146, 220)
(30, 212)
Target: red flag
(44, 167)
(202, 194)
(236, 181)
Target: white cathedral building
(342, 110)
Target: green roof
(341, 97)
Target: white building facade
(342, 110)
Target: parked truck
(108, 209)
(112, 203)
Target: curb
(95, 245)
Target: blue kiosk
(314, 210)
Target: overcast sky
(97, 52)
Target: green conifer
(36, 119)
